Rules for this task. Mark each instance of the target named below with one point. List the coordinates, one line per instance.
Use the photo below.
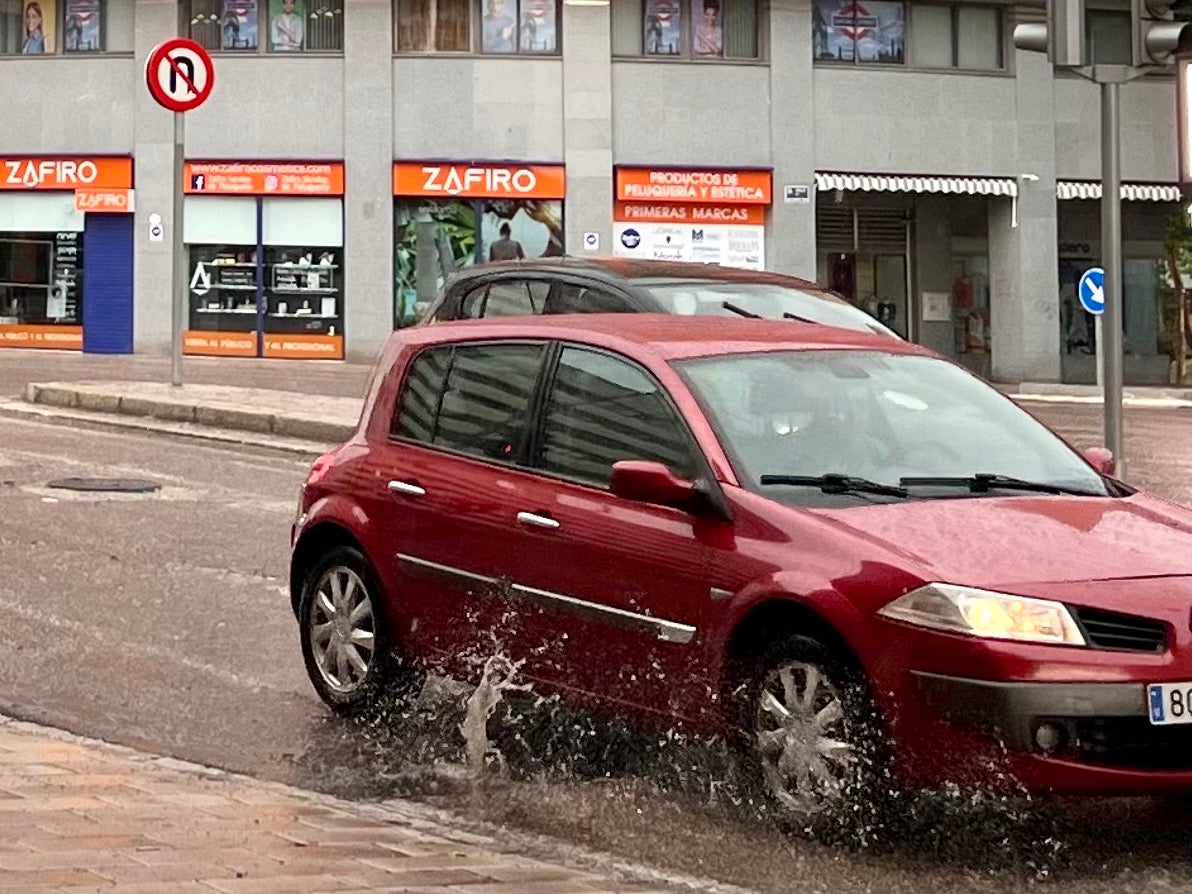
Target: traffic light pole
(1111, 261)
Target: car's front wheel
(813, 740)
(346, 644)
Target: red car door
(447, 473)
(616, 592)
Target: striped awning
(1131, 192)
(962, 186)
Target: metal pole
(179, 290)
(1111, 252)
(1099, 335)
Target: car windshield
(879, 418)
(692, 297)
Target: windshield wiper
(836, 484)
(787, 315)
(740, 311)
(983, 482)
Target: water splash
(496, 679)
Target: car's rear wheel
(346, 643)
(813, 741)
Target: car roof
(668, 336)
(637, 269)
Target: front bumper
(1091, 738)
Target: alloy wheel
(802, 737)
(342, 630)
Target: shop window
(843, 31)
(966, 37)
(41, 278)
(1107, 37)
(46, 27)
(274, 26)
(686, 29)
(435, 237)
(500, 27)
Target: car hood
(1003, 541)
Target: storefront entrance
(66, 254)
(447, 216)
(266, 260)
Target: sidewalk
(79, 815)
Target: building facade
(900, 152)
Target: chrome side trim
(667, 631)
(719, 595)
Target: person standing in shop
(35, 36)
(498, 29)
(287, 29)
(506, 248)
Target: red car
(844, 552)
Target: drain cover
(106, 485)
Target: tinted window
(576, 298)
(472, 305)
(602, 410)
(515, 298)
(478, 398)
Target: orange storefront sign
(305, 347)
(633, 212)
(57, 338)
(479, 181)
(220, 344)
(263, 178)
(76, 172)
(105, 201)
(699, 187)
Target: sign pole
(1111, 252)
(178, 304)
(1099, 335)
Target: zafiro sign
(65, 174)
(479, 181)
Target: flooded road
(161, 621)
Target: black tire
(857, 806)
(388, 681)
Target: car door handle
(538, 521)
(405, 487)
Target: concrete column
(790, 236)
(587, 124)
(153, 150)
(1023, 259)
(368, 163)
(932, 262)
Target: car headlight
(985, 614)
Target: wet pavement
(161, 622)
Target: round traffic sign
(1091, 291)
(179, 74)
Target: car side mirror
(652, 482)
(1102, 460)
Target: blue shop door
(107, 283)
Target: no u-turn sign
(179, 74)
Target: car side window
(473, 398)
(602, 410)
(514, 298)
(471, 306)
(577, 298)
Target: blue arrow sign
(1091, 291)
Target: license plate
(1169, 704)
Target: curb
(181, 411)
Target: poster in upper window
(538, 29)
(239, 24)
(707, 28)
(858, 31)
(499, 26)
(287, 25)
(82, 26)
(37, 27)
(664, 19)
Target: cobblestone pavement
(78, 815)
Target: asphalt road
(161, 622)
